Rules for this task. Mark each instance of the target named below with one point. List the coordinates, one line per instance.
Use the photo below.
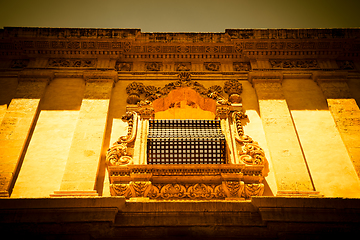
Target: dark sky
(180, 15)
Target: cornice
(100, 33)
(133, 44)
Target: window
(185, 142)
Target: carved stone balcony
(186, 142)
(187, 181)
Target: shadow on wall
(63, 94)
(7, 90)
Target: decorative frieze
(198, 191)
(69, 62)
(302, 64)
(19, 63)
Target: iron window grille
(185, 142)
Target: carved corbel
(254, 189)
(233, 189)
(118, 154)
(133, 189)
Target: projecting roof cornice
(103, 33)
(18, 42)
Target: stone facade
(75, 109)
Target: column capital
(100, 76)
(36, 76)
(268, 76)
(330, 76)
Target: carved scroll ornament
(118, 154)
(249, 151)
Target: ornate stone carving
(145, 109)
(197, 191)
(233, 88)
(294, 64)
(183, 66)
(252, 154)
(222, 111)
(346, 65)
(19, 63)
(134, 90)
(241, 66)
(212, 66)
(229, 181)
(233, 189)
(249, 151)
(123, 66)
(255, 189)
(153, 66)
(118, 153)
(62, 62)
(177, 171)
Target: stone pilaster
(323, 148)
(17, 125)
(344, 110)
(86, 151)
(291, 172)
